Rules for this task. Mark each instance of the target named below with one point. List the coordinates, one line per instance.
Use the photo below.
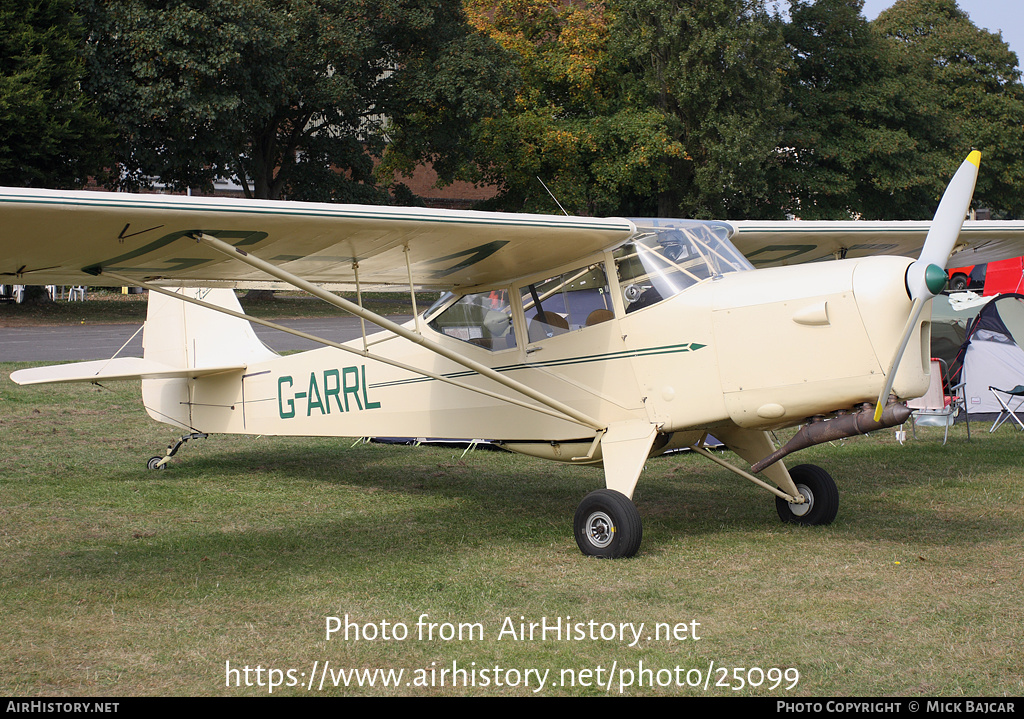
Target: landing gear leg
(607, 523)
(159, 462)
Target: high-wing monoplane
(582, 340)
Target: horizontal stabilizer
(113, 369)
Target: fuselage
(759, 349)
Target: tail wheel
(607, 524)
(820, 491)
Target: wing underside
(768, 244)
(65, 237)
(55, 237)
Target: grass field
(120, 581)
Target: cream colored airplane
(581, 340)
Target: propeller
(926, 276)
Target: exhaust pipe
(841, 427)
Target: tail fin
(187, 336)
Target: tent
(993, 353)
(951, 317)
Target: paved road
(69, 343)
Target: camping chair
(935, 408)
(1005, 412)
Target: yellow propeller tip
(975, 158)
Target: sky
(993, 15)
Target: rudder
(184, 335)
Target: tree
(50, 133)
(569, 126)
(849, 150)
(290, 98)
(713, 71)
(635, 106)
(969, 80)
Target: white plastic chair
(935, 408)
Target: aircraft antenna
(553, 196)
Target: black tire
(958, 283)
(154, 463)
(821, 492)
(607, 524)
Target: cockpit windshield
(667, 256)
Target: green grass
(120, 581)
(111, 307)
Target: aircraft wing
(767, 243)
(66, 237)
(63, 237)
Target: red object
(964, 277)
(1004, 276)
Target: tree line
(716, 108)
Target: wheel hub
(600, 529)
(800, 510)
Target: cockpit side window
(483, 319)
(567, 302)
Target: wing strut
(340, 302)
(359, 299)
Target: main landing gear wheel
(607, 524)
(820, 491)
